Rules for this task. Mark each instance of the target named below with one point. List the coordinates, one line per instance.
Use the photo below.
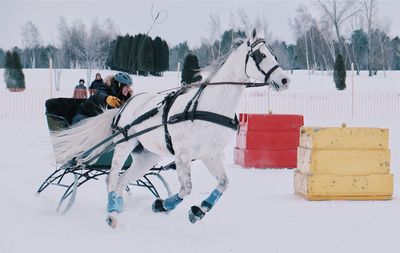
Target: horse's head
(261, 64)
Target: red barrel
(268, 140)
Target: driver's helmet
(122, 79)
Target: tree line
(94, 47)
(139, 54)
(318, 30)
(319, 38)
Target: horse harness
(190, 113)
(258, 57)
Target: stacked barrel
(344, 163)
(267, 140)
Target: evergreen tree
(124, 52)
(2, 58)
(133, 56)
(13, 75)
(114, 63)
(291, 50)
(165, 56)
(145, 56)
(395, 48)
(359, 47)
(111, 53)
(339, 73)
(158, 55)
(190, 68)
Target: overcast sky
(186, 20)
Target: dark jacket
(93, 106)
(96, 84)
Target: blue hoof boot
(114, 203)
(195, 214)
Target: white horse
(197, 139)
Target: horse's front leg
(183, 169)
(115, 200)
(216, 167)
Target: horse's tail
(77, 139)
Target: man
(94, 86)
(80, 90)
(111, 94)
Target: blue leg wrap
(120, 201)
(209, 202)
(171, 202)
(115, 203)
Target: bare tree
(337, 12)
(67, 46)
(108, 34)
(31, 40)
(300, 26)
(383, 40)
(89, 49)
(215, 35)
(261, 24)
(370, 10)
(244, 21)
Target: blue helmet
(123, 78)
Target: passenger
(111, 94)
(94, 86)
(80, 90)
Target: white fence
(324, 105)
(29, 104)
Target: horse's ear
(254, 34)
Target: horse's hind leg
(183, 169)
(216, 168)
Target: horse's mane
(211, 70)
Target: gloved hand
(113, 101)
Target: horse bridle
(258, 57)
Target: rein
(247, 84)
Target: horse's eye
(263, 55)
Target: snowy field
(258, 213)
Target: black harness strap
(168, 106)
(114, 124)
(258, 57)
(205, 116)
(168, 102)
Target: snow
(258, 212)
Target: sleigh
(71, 176)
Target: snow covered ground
(258, 213)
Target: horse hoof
(195, 214)
(158, 206)
(111, 221)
